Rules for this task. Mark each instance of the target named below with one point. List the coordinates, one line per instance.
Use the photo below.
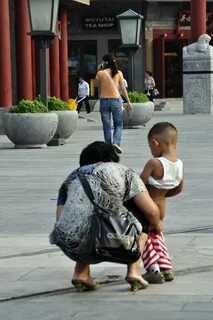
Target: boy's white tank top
(173, 174)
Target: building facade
(19, 54)
(167, 31)
(86, 33)
(93, 31)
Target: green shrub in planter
(138, 97)
(29, 106)
(56, 104)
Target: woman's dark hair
(98, 151)
(110, 63)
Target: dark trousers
(86, 101)
(151, 94)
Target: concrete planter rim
(67, 123)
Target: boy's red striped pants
(155, 252)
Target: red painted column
(63, 45)
(55, 68)
(23, 51)
(5, 56)
(198, 18)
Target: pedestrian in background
(149, 84)
(83, 94)
(110, 80)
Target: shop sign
(99, 23)
(184, 19)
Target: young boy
(163, 177)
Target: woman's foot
(137, 283)
(85, 285)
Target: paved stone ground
(34, 276)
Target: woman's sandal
(137, 284)
(82, 285)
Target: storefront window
(82, 57)
(121, 56)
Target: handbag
(155, 92)
(113, 235)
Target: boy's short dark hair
(159, 127)
(98, 151)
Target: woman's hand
(130, 106)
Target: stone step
(168, 104)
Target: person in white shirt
(83, 95)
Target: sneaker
(117, 148)
(154, 277)
(168, 275)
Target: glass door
(82, 62)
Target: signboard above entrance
(99, 23)
(83, 1)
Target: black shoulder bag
(114, 235)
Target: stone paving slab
(29, 272)
(117, 302)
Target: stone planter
(139, 115)
(30, 130)
(67, 123)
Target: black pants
(151, 94)
(86, 101)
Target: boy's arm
(173, 192)
(147, 171)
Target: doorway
(82, 61)
(174, 68)
(168, 66)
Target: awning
(83, 1)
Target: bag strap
(86, 185)
(113, 83)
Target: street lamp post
(43, 18)
(130, 27)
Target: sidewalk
(39, 275)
